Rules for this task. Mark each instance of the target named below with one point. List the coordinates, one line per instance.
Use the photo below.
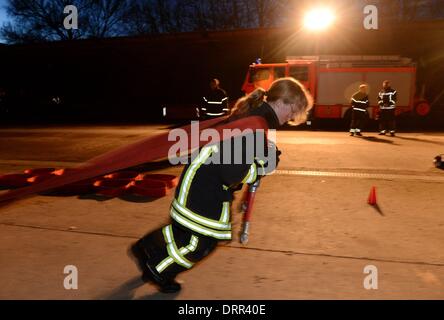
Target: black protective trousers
(357, 120)
(161, 245)
(387, 120)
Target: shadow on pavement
(124, 197)
(127, 291)
(378, 209)
(92, 196)
(135, 198)
(376, 139)
(159, 296)
(152, 166)
(420, 140)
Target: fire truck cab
(332, 80)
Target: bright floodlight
(318, 19)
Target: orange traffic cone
(372, 196)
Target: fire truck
(332, 80)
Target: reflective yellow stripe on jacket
(219, 229)
(252, 174)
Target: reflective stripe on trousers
(176, 255)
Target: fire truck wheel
(422, 108)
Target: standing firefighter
(387, 107)
(200, 211)
(359, 102)
(215, 102)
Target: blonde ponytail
(244, 105)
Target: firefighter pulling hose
(200, 211)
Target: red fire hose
(143, 151)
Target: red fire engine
(332, 80)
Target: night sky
(3, 16)
(2, 11)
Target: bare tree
(104, 18)
(409, 10)
(157, 16)
(37, 21)
(42, 20)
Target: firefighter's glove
(237, 187)
(270, 162)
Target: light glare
(318, 19)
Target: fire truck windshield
(259, 74)
(299, 72)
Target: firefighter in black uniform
(215, 102)
(200, 211)
(359, 102)
(387, 106)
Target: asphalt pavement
(313, 235)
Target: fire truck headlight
(318, 19)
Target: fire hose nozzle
(245, 231)
(247, 207)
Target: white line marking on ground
(361, 175)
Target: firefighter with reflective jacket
(215, 102)
(387, 106)
(359, 102)
(200, 211)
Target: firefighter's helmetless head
(386, 84)
(214, 84)
(363, 88)
(290, 100)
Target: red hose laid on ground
(143, 151)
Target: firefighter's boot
(140, 256)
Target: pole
(248, 208)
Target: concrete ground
(312, 234)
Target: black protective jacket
(359, 101)
(387, 99)
(206, 185)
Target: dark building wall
(142, 74)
